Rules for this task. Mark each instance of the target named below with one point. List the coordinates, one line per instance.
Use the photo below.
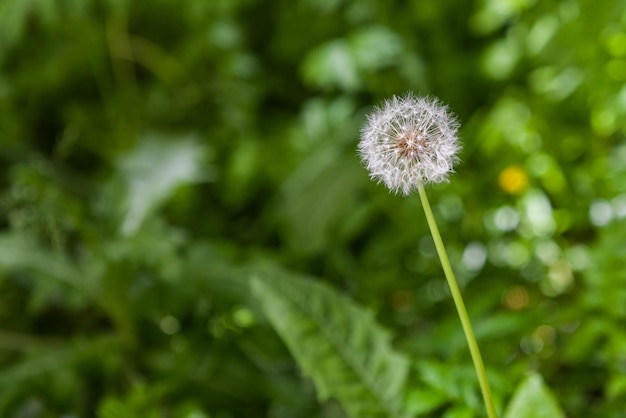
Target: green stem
(460, 306)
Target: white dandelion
(407, 143)
(410, 141)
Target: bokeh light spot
(561, 276)
(540, 342)
(506, 218)
(578, 257)
(474, 256)
(513, 179)
(600, 213)
(546, 333)
(500, 58)
(548, 252)
(539, 215)
(541, 33)
(616, 44)
(169, 325)
(603, 120)
(619, 206)
(243, 317)
(516, 298)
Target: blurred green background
(157, 156)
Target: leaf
(52, 359)
(420, 401)
(331, 65)
(140, 400)
(18, 252)
(533, 399)
(376, 47)
(337, 343)
(14, 18)
(459, 411)
(152, 172)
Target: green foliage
(155, 155)
(326, 333)
(140, 403)
(532, 399)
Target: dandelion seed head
(409, 140)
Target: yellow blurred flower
(513, 179)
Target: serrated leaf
(336, 343)
(533, 399)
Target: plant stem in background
(460, 305)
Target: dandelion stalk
(460, 305)
(407, 143)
